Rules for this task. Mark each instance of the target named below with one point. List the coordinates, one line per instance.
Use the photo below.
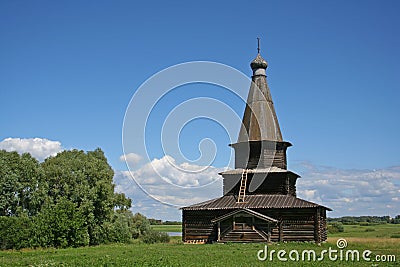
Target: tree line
(365, 219)
(161, 222)
(66, 201)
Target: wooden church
(259, 202)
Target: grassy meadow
(167, 228)
(381, 240)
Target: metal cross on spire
(258, 45)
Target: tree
(335, 227)
(22, 187)
(140, 224)
(60, 225)
(85, 179)
(68, 200)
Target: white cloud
(167, 186)
(180, 175)
(40, 148)
(131, 159)
(351, 192)
(142, 202)
(347, 192)
(309, 194)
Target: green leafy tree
(152, 236)
(15, 232)
(22, 184)
(335, 227)
(119, 229)
(85, 179)
(140, 225)
(61, 225)
(68, 200)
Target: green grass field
(379, 231)
(167, 228)
(177, 254)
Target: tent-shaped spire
(259, 121)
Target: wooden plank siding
(260, 154)
(273, 183)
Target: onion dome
(258, 63)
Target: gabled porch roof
(248, 211)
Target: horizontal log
(298, 231)
(198, 229)
(302, 239)
(298, 234)
(197, 234)
(199, 226)
(298, 225)
(299, 228)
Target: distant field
(177, 254)
(379, 231)
(167, 228)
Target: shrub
(15, 232)
(370, 230)
(152, 236)
(335, 227)
(118, 230)
(60, 225)
(139, 225)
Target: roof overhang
(260, 201)
(284, 143)
(247, 211)
(269, 170)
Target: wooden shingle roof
(259, 120)
(254, 202)
(272, 169)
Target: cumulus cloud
(168, 170)
(352, 192)
(40, 148)
(141, 201)
(347, 192)
(163, 185)
(131, 159)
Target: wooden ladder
(242, 189)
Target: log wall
(260, 154)
(295, 224)
(273, 183)
(197, 225)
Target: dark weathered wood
(281, 231)
(273, 183)
(295, 225)
(262, 152)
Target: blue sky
(68, 70)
